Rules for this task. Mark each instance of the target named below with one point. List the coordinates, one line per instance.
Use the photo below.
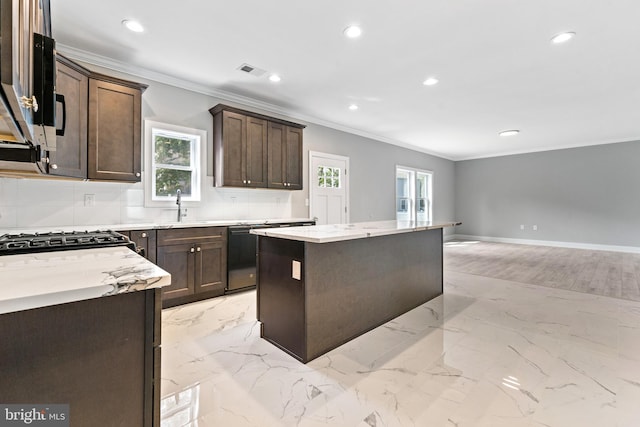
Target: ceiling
(496, 66)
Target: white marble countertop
(360, 230)
(148, 225)
(47, 278)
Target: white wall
(44, 202)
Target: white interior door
(329, 188)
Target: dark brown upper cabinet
(114, 142)
(285, 157)
(257, 151)
(102, 136)
(70, 157)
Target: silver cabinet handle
(198, 249)
(54, 166)
(144, 235)
(138, 174)
(192, 250)
(248, 181)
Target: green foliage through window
(172, 151)
(328, 177)
(175, 162)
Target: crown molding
(148, 74)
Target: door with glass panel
(329, 188)
(413, 194)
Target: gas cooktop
(12, 244)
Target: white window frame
(198, 139)
(413, 189)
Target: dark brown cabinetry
(253, 150)
(242, 143)
(285, 157)
(145, 241)
(114, 145)
(70, 157)
(100, 356)
(196, 258)
(102, 138)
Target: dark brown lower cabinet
(100, 356)
(196, 258)
(145, 241)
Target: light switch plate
(296, 270)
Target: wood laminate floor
(613, 274)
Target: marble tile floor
(489, 352)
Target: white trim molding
(572, 245)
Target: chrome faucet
(179, 203)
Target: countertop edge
(49, 278)
(342, 232)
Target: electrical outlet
(535, 228)
(89, 199)
(521, 226)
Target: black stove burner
(12, 244)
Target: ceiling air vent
(250, 69)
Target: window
(173, 162)
(329, 177)
(414, 200)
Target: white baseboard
(574, 245)
(449, 237)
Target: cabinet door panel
(114, 132)
(256, 159)
(276, 155)
(293, 164)
(70, 157)
(146, 240)
(211, 267)
(234, 148)
(179, 261)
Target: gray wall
(372, 174)
(582, 195)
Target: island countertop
(339, 232)
(47, 278)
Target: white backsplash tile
(40, 202)
(8, 192)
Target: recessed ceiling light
(430, 81)
(353, 31)
(132, 25)
(562, 37)
(510, 132)
(274, 78)
(353, 107)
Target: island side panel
(356, 285)
(280, 296)
(90, 354)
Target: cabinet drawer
(176, 236)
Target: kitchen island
(321, 286)
(82, 328)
